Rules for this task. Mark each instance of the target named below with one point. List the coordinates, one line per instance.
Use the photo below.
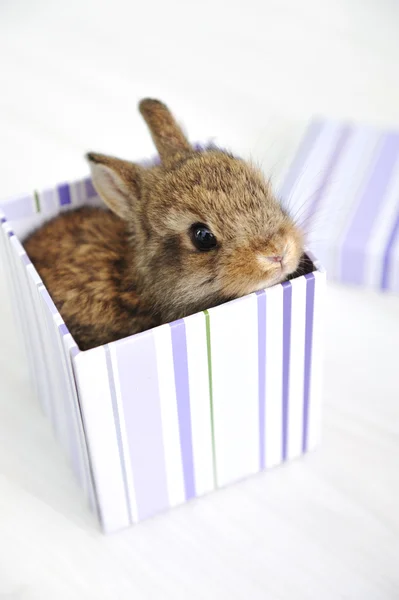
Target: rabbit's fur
(116, 272)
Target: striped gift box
(343, 184)
(158, 418)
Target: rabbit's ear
(116, 181)
(167, 135)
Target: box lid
(342, 186)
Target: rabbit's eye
(202, 237)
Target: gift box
(156, 419)
(343, 185)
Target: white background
(246, 74)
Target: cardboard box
(161, 417)
(343, 185)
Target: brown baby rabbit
(200, 228)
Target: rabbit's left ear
(117, 182)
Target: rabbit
(198, 229)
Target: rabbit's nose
(276, 259)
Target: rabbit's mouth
(275, 275)
(270, 281)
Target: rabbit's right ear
(117, 182)
(168, 136)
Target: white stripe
(80, 192)
(50, 361)
(95, 398)
(24, 287)
(375, 249)
(169, 415)
(234, 335)
(19, 312)
(23, 227)
(315, 395)
(297, 363)
(314, 170)
(124, 438)
(200, 409)
(49, 206)
(52, 358)
(274, 376)
(67, 343)
(60, 368)
(35, 317)
(27, 315)
(74, 193)
(24, 272)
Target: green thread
(37, 201)
(209, 350)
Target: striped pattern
(49, 346)
(158, 418)
(343, 186)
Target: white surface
(71, 73)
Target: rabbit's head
(205, 225)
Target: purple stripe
(64, 194)
(261, 297)
(11, 233)
(386, 266)
(26, 259)
(89, 189)
(118, 431)
(329, 170)
(74, 351)
(308, 141)
(138, 379)
(63, 329)
(2, 220)
(180, 362)
(370, 204)
(310, 289)
(287, 303)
